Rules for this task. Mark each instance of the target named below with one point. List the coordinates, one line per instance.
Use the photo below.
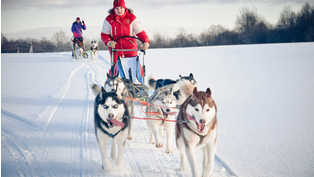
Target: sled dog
(78, 52)
(185, 86)
(111, 121)
(122, 88)
(201, 130)
(94, 50)
(166, 110)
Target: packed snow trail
(60, 140)
(264, 96)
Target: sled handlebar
(128, 37)
(128, 50)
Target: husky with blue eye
(199, 129)
(111, 117)
(122, 87)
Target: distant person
(122, 22)
(77, 27)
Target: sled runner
(79, 43)
(130, 68)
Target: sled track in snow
(65, 93)
(20, 119)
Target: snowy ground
(264, 95)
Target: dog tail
(96, 89)
(152, 81)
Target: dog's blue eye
(115, 106)
(196, 109)
(105, 106)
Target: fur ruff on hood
(110, 11)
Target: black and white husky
(166, 110)
(182, 88)
(155, 84)
(122, 88)
(200, 129)
(94, 50)
(111, 121)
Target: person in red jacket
(122, 22)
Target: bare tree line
(251, 28)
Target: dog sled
(130, 69)
(80, 44)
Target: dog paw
(159, 145)
(183, 168)
(168, 151)
(108, 168)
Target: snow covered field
(264, 95)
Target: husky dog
(122, 88)
(94, 50)
(166, 110)
(111, 121)
(184, 86)
(78, 52)
(199, 111)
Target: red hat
(78, 18)
(117, 3)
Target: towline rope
(152, 113)
(175, 121)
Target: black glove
(83, 22)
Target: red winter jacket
(115, 26)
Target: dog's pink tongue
(190, 117)
(117, 123)
(172, 113)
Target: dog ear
(108, 75)
(191, 75)
(117, 74)
(208, 91)
(180, 75)
(195, 91)
(103, 91)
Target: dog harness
(111, 135)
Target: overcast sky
(163, 16)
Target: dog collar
(110, 134)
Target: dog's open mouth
(114, 122)
(166, 114)
(200, 126)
